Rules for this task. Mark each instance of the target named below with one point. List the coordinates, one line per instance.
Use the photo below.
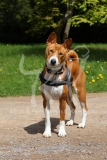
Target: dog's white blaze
(55, 58)
(57, 66)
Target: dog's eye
(51, 50)
(61, 54)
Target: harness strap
(68, 80)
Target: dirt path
(22, 125)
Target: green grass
(21, 79)
(12, 81)
(95, 63)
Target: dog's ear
(52, 38)
(67, 44)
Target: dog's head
(56, 53)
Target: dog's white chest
(52, 92)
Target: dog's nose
(53, 61)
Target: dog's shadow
(40, 126)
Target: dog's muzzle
(53, 62)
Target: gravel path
(22, 125)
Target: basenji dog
(60, 75)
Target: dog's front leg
(62, 132)
(47, 132)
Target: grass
(21, 64)
(13, 81)
(94, 64)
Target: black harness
(68, 79)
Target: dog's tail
(72, 56)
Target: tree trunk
(66, 20)
(67, 29)
(58, 30)
(69, 17)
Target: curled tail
(72, 55)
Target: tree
(85, 11)
(46, 15)
(19, 18)
(69, 13)
(65, 21)
(90, 11)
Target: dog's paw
(62, 133)
(81, 125)
(47, 134)
(69, 123)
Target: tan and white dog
(60, 75)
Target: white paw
(69, 123)
(62, 133)
(47, 134)
(81, 125)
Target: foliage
(46, 15)
(20, 20)
(89, 11)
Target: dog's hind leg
(82, 99)
(72, 107)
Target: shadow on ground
(40, 126)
